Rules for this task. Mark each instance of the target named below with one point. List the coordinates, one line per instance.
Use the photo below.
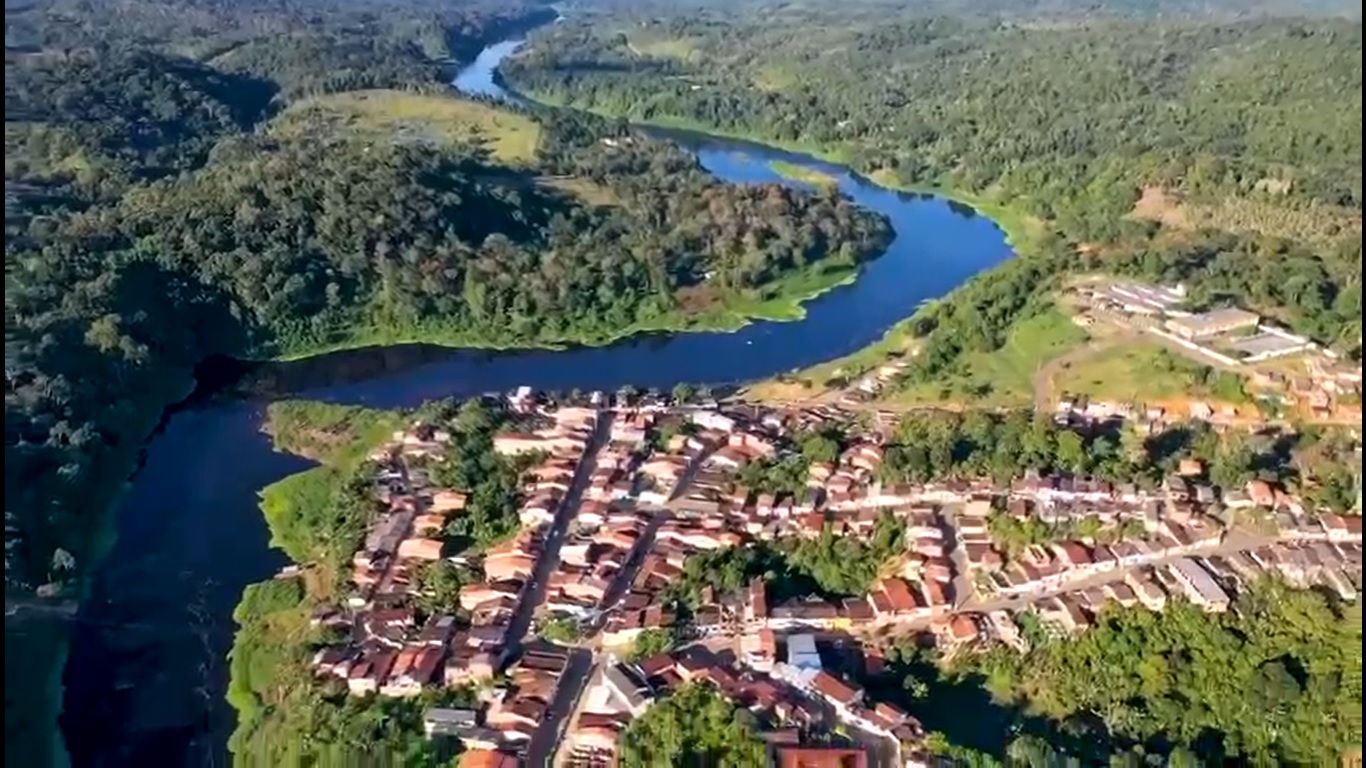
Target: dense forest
(196, 178)
(1277, 682)
(283, 241)
(1222, 152)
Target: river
(147, 672)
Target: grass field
(1243, 214)
(803, 174)
(586, 190)
(1144, 371)
(662, 48)
(382, 115)
(1004, 377)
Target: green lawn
(1145, 371)
(1004, 377)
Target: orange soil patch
(1156, 204)
(698, 299)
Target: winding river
(147, 673)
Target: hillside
(163, 209)
(1192, 147)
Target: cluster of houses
(407, 529)
(788, 698)
(388, 652)
(1210, 582)
(506, 718)
(606, 532)
(649, 503)
(870, 385)
(1180, 518)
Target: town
(619, 494)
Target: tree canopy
(694, 726)
(1277, 681)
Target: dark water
(147, 674)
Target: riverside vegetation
(1055, 127)
(285, 714)
(187, 179)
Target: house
(893, 597)
(508, 566)
(962, 628)
(1200, 587)
(839, 693)
(428, 524)
(437, 631)
(440, 721)
(467, 666)
(802, 653)
(820, 757)
(1261, 494)
(420, 549)
(712, 420)
(628, 689)
(334, 661)
(1191, 468)
(487, 758)
(760, 649)
(414, 668)
(447, 501)
(1148, 592)
(474, 595)
(368, 674)
(1213, 323)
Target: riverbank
(1021, 231)
(36, 651)
(780, 301)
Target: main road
(542, 745)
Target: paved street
(520, 626)
(1235, 541)
(543, 746)
(590, 677)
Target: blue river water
(146, 679)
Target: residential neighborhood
(615, 501)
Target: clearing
(1005, 377)
(1146, 371)
(663, 48)
(1253, 214)
(386, 115)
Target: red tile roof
(899, 592)
(834, 688)
(821, 757)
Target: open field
(1248, 214)
(383, 115)
(1004, 377)
(662, 48)
(586, 190)
(1144, 371)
